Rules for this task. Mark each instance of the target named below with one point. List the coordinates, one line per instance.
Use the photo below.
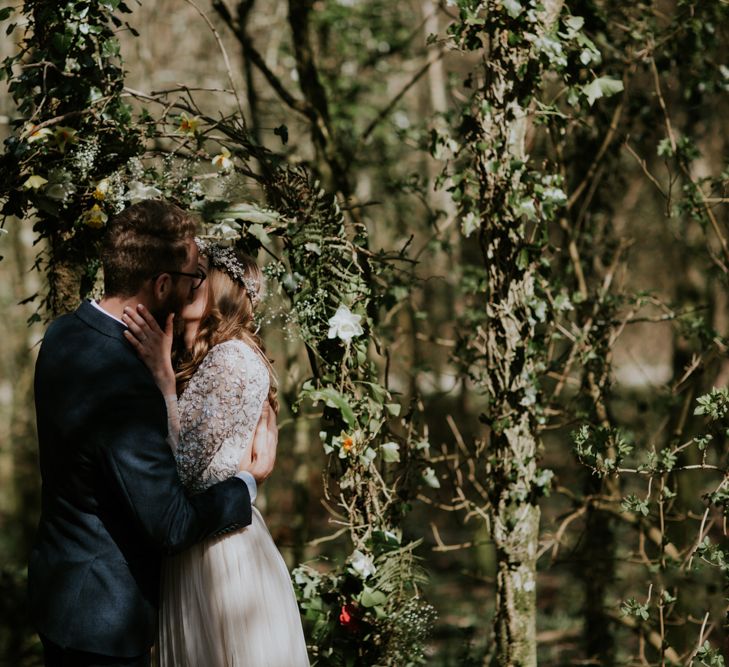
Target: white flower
(362, 564)
(430, 479)
(102, 189)
(138, 191)
(345, 324)
(222, 161)
(37, 135)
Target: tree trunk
(507, 352)
(25, 480)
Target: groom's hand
(260, 457)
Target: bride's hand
(260, 456)
(153, 345)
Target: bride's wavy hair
(228, 315)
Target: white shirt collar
(108, 314)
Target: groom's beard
(174, 303)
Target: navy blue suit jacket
(112, 502)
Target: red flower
(347, 617)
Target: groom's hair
(144, 240)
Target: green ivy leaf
(603, 86)
(390, 452)
(393, 409)
(371, 598)
(334, 399)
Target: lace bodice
(218, 414)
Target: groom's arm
(139, 468)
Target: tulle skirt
(229, 602)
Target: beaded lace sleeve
(219, 411)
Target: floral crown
(224, 259)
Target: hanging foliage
(61, 164)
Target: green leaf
(574, 23)
(259, 232)
(602, 87)
(246, 211)
(393, 409)
(5, 12)
(367, 456)
(390, 452)
(513, 8)
(61, 42)
(110, 48)
(334, 399)
(371, 598)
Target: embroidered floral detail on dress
(219, 411)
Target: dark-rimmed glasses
(199, 276)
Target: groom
(112, 503)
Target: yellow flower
(65, 135)
(102, 187)
(347, 443)
(94, 217)
(37, 134)
(188, 125)
(34, 182)
(223, 161)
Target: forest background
(521, 457)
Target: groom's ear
(162, 286)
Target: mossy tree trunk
(506, 356)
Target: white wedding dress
(228, 601)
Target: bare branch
(386, 111)
(225, 58)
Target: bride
(228, 601)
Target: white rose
(138, 191)
(362, 564)
(345, 324)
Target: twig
(662, 102)
(250, 52)
(607, 140)
(442, 546)
(643, 166)
(328, 538)
(55, 121)
(225, 58)
(654, 639)
(563, 527)
(700, 643)
(385, 112)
